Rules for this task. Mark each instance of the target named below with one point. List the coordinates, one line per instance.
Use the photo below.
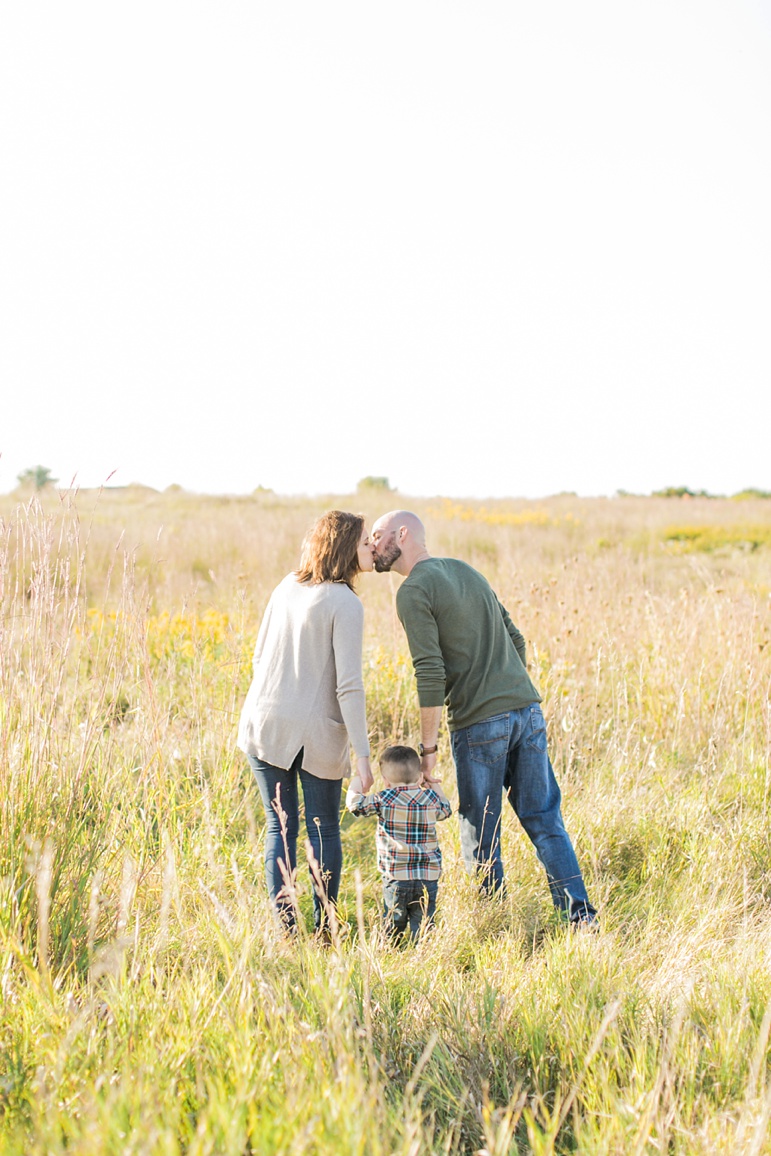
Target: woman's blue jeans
(279, 793)
(508, 753)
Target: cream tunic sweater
(307, 690)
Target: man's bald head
(398, 518)
(399, 539)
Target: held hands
(364, 772)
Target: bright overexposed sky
(481, 247)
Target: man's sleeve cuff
(429, 697)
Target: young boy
(408, 854)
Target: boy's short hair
(405, 758)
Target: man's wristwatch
(427, 750)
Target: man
(468, 653)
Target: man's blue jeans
(508, 753)
(278, 790)
(408, 901)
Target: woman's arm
(262, 634)
(364, 773)
(347, 643)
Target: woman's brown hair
(330, 549)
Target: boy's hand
(364, 772)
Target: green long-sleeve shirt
(466, 651)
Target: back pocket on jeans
(488, 741)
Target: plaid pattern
(407, 847)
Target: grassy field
(148, 1005)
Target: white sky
(480, 248)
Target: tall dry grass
(148, 1004)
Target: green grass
(709, 538)
(149, 1004)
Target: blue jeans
(408, 901)
(508, 753)
(278, 790)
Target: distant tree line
(41, 476)
(685, 492)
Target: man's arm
(430, 718)
(516, 636)
(417, 618)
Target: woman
(306, 704)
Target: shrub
(364, 485)
(708, 538)
(747, 494)
(38, 476)
(680, 492)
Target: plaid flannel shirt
(407, 846)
